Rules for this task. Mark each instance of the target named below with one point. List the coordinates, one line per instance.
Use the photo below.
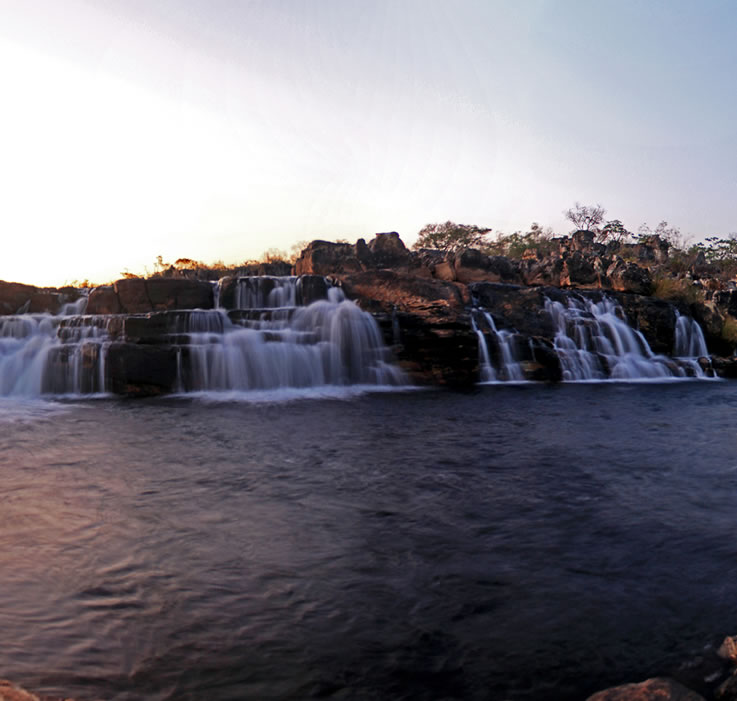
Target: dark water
(516, 543)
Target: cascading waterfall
(45, 354)
(509, 368)
(594, 342)
(272, 339)
(271, 342)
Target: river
(518, 542)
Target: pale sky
(214, 129)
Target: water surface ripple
(516, 543)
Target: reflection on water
(518, 543)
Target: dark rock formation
(137, 370)
(17, 298)
(136, 295)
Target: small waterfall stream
(508, 366)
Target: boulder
(387, 251)
(656, 689)
(103, 300)
(578, 271)
(471, 265)
(328, 258)
(629, 277)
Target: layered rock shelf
(426, 304)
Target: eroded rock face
(656, 689)
(137, 296)
(388, 291)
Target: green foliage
(675, 289)
(614, 230)
(515, 245)
(729, 330)
(451, 237)
(719, 250)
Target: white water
(280, 345)
(594, 342)
(509, 366)
(44, 354)
(690, 344)
(269, 343)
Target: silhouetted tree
(450, 236)
(585, 217)
(614, 231)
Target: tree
(614, 230)
(585, 217)
(451, 237)
(671, 234)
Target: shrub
(677, 290)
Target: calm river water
(514, 543)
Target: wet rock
(141, 370)
(312, 288)
(433, 350)
(656, 689)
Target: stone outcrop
(16, 298)
(657, 689)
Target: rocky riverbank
(424, 302)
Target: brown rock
(656, 689)
(179, 294)
(132, 295)
(386, 290)
(471, 265)
(728, 649)
(327, 258)
(103, 300)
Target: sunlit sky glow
(218, 129)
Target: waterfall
(44, 354)
(689, 340)
(594, 342)
(508, 366)
(272, 339)
(689, 344)
(271, 342)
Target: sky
(218, 129)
